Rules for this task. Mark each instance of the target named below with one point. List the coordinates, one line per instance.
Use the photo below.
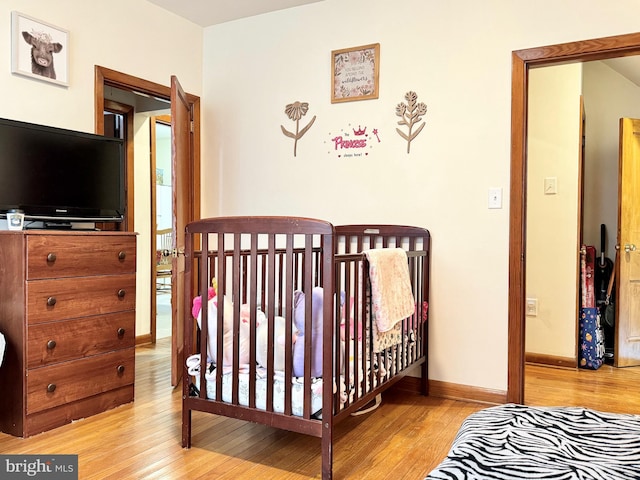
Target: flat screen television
(55, 175)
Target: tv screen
(56, 174)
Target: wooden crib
(291, 295)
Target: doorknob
(629, 248)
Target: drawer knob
(121, 332)
(122, 255)
(121, 293)
(51, 301)
(51, 387)
(120, 369)
(51, 344)
(51, 257)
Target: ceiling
(628, 67)
(212, 12)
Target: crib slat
(204, 321)
(288, 333)
(253, 307)
(271, 308)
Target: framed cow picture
(39, 50)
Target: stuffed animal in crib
(197, 302)
(315, 333)
(227, 342)
(245, 315)
(262, 343)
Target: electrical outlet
(532, 307)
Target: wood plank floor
(405, 438)
(608, 388)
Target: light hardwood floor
(405, 438)
(608, 388)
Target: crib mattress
(519, 442)
(279, 386)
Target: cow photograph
(39, 50)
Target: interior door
(181, 155)
(627, 327)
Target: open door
(181, 157)
(627, 326)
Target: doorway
(185, 154)
(554, 230)
(144, 122)
(522, 62)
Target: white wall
(130, 36)
(552, 219)
(142, 220)
(456, 56)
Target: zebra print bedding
(558, 443)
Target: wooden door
(181, 157)
(627, 327)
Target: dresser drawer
(51, 300)
(66, 382)
(55, 342)
(51, 256)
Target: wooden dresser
(67, 310)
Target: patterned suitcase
(591, 351)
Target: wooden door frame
(522, 61)
(107, 77)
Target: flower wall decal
(295, 111)
(411, 114)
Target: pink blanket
(391, 295)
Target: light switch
(550, 185)
(495, 198)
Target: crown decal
(360, 131)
